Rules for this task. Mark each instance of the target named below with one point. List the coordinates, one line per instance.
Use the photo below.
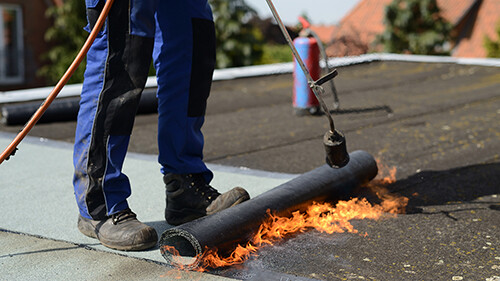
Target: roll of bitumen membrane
(59, 110)
(64, 109)
(227, 228)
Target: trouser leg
(184, 57)
(117, 68)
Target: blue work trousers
(180, 37)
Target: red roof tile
(454, 11)
(472, 42)
(367, 18)
(358, 28)
(324, 32)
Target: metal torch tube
(317, 90)
(235, 225)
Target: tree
(416, 27)
(492, 46)
(67, 37)
(238, 42)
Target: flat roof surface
(437, 123)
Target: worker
(180, 37)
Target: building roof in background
(484, 22)
(472, 19)
(359, 28)
(324, 32)
(454, 11)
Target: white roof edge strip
(255, 71)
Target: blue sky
(319, 11)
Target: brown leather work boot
(122, 231)
(189, 197)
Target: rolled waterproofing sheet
(223, 230)
(64, 109)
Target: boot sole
(137, 247)
(87, 229)
(241, 200)
(243, 196)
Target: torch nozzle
(336, 149)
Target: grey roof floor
(442, 134)
(39, 203)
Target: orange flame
(323, 217)
(391, 203)
(180, 264)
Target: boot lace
(123, 215)
(199, 184)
